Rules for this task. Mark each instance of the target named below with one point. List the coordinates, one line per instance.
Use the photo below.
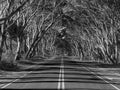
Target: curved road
(61, 73)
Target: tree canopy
(85, 28)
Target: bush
(7, 62)
(9, 66)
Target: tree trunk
(31, 48)
(2, 37)
(17, 55)
(38, 39)
(1, 46)
(11, 45)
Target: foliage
(33, 26)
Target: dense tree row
(85, 28)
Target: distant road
(61, 73)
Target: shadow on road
(49, 72)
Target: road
(61, 73)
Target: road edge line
(102, 79)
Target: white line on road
(102, 79)
(61, 83)
(63, 80)
(9, 83)
(59, 80)
(5, 85)
(14, 80)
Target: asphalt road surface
(61, 73)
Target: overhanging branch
(17, 10)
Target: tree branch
(18, 9)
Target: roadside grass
(8, 66)
(33, 64)
(7, 63)
(102, 67)
(109, 65)
(99, 65)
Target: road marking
(63, 80)
(14, 80)
(102, 79)
(59, 80)
(9, 83)
(61, 83)
(5, 85)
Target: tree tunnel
(83, 28)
